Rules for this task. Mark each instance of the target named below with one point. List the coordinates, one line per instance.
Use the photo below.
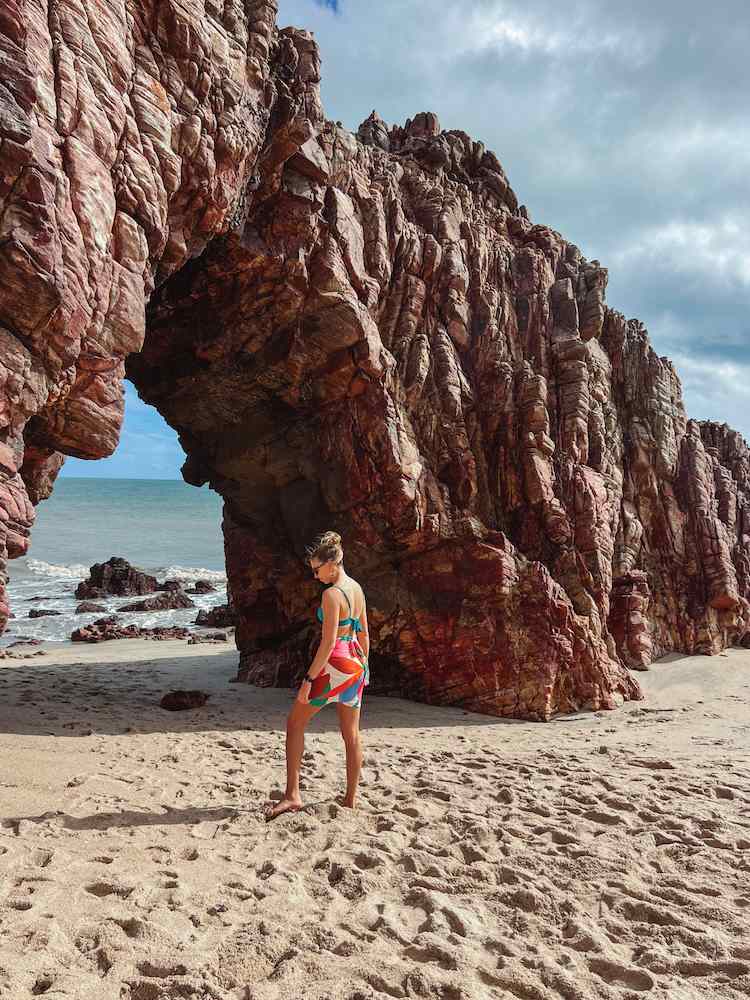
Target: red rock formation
(365, 333)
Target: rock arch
(362, 332)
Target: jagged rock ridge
(362, 332)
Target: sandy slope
(604, 855)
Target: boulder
(116, 576)
(179, 701)
(220, 616)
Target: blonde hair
(327, 548)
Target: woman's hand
(303, 695)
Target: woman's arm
(328, 634)
(364, 635)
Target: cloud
(545, 33)
(720, 249)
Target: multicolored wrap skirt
(344, 677)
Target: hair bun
(330, 538)
(327, 548)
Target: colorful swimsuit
(344, 677)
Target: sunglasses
(316, 569)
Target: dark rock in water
(37, 597)
(25, 642)
(201, 587)
(220, 616)
(87, 607)
(104, 629)
(170, 585)
(208, 637)
(168, 601)
(116, 576)
(42, 612)
(178, 701)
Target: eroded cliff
(361, 332)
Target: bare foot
(282, 806)
(347, 802)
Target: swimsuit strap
(354, 622)
(335, 586)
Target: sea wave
(192, 573)
(75, 571)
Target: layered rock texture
(364, 333)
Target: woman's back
(351, 604)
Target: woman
(338, 673)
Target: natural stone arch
(358, 332)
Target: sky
(623, 126)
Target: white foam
(76, 571)
(192, 573)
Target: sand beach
(599, 855)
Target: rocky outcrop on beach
(116, 576)
(362, 332)
(107, 628)
(219, 616)
(201, 587)
(170, 600)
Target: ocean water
(164, 527)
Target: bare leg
(349, 724)
(296, 724)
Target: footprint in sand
(19, 904)
(42, 858)
(42, 985)
(161, 971)
(109, 889)
(619, 975)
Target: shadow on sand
(119, 698)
